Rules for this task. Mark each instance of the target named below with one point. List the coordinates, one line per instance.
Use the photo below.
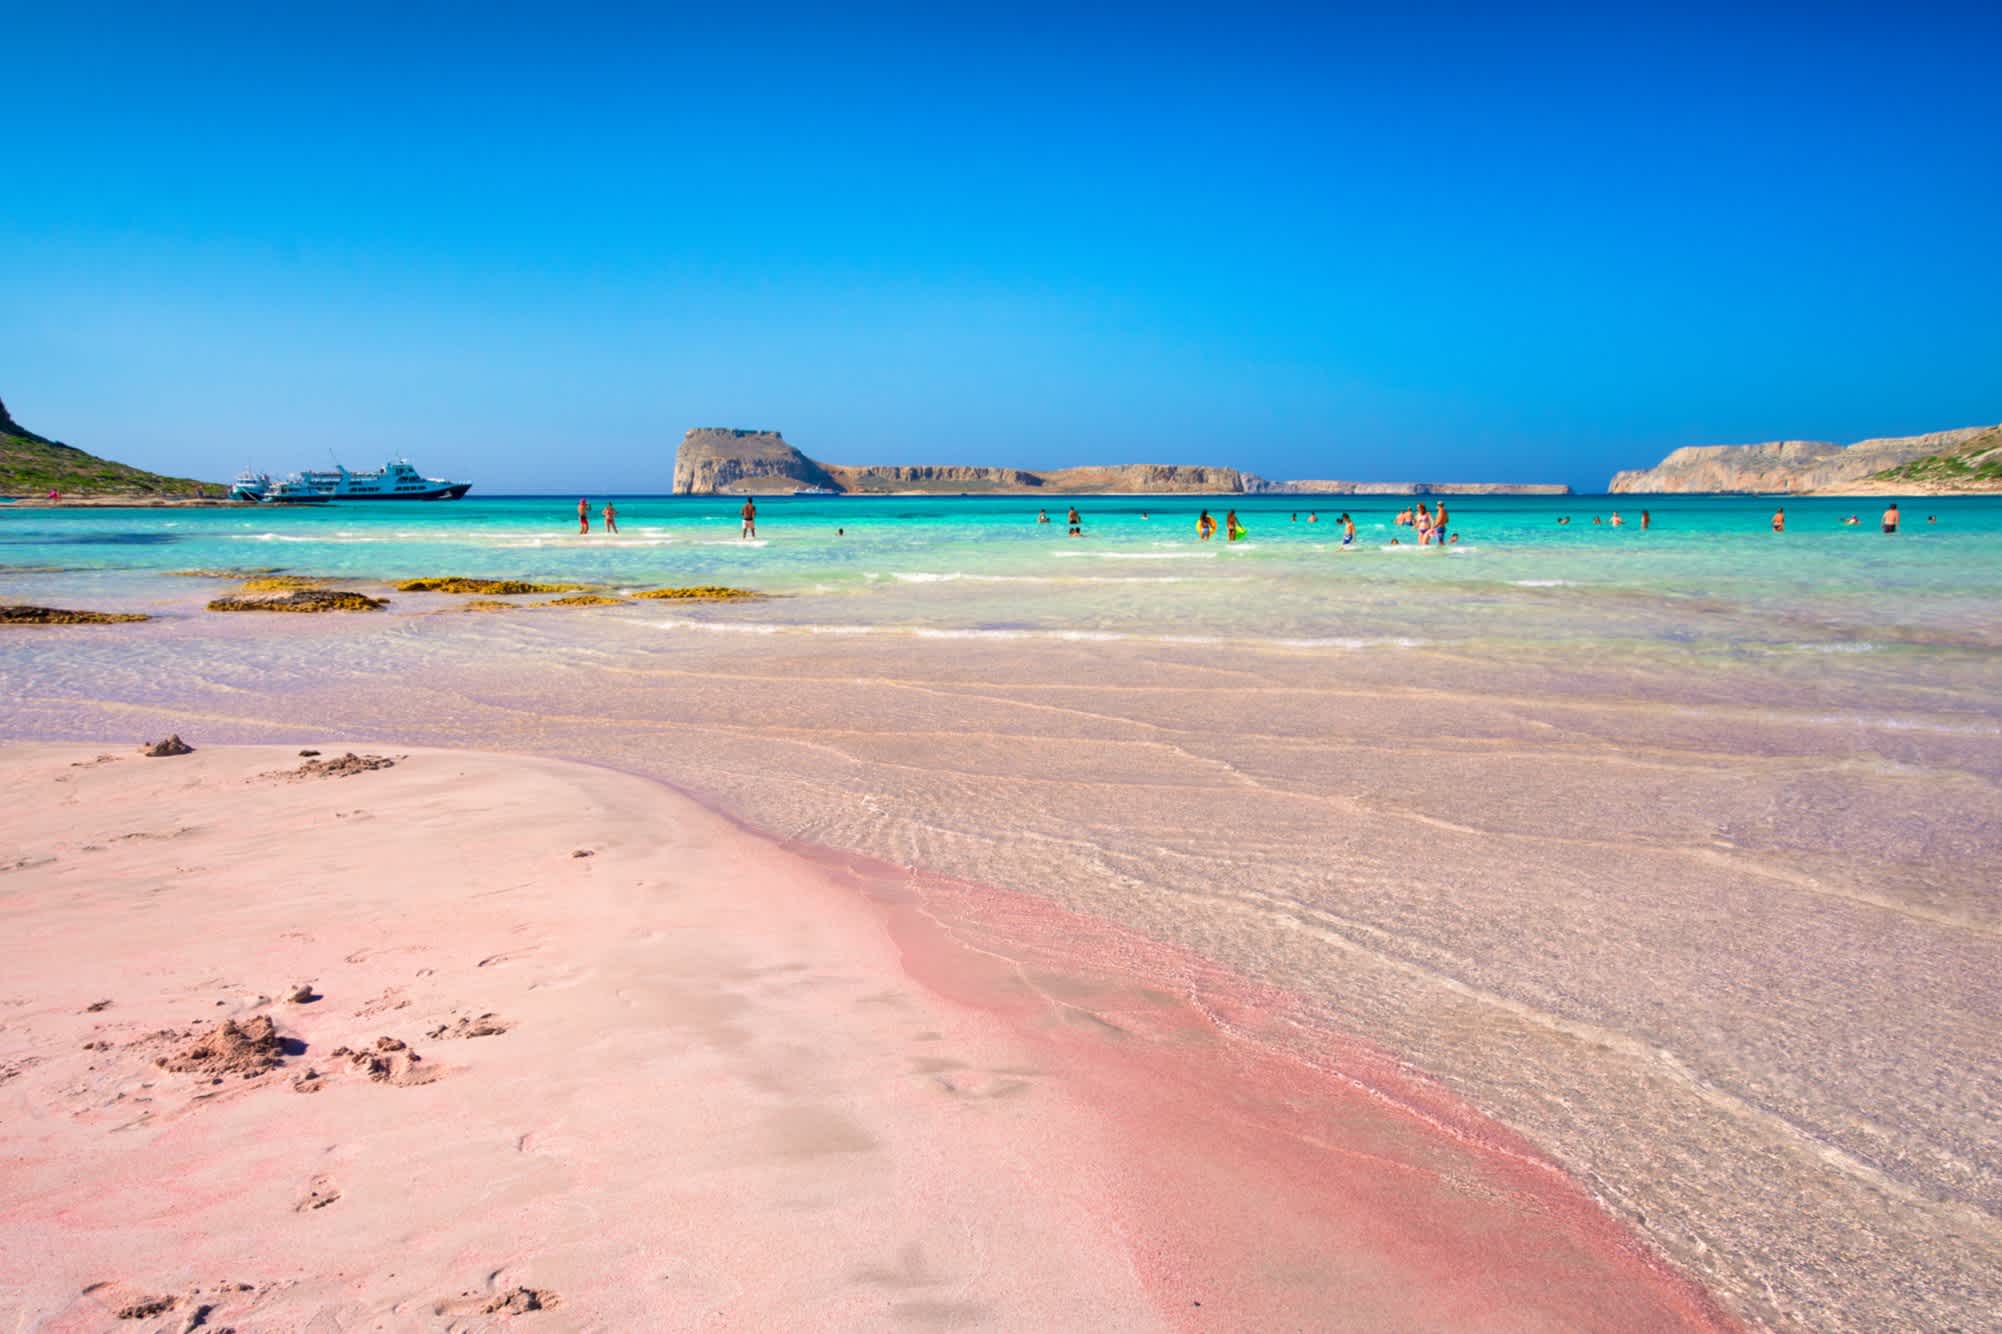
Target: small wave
(957, 576)
(1345, 642)
(1544, 583)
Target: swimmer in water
(1563, 520)
(1076, 523)
(1891, 518)
(1618, 522)
(1042, 516)
(1780, 519)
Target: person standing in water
(1891, 518)
(583, 515)
(611, 517)
(1042, 516)
(1205, 526)
(1076, 522)
(1439, 525)
(749, 514)
(1233, 530)
(1646, 520)
(1348, 530)
(1780, 519)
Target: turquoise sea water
(1709, 569)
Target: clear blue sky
(531, 246)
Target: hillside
(1972, 465)
(33, 465)
(1800, 467)
(717, 460)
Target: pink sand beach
(557, 1047)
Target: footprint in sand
(320, 1192)
(392, 998)
(476, 1026)
(495, 1300)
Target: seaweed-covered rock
(23, 615)
(585, 600)
(166, 746)
(485, 587)
(701, 593)
(305, 600)
(280, 583)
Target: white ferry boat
(395, 480)
(250, 485)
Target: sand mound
(248, 1049)
(489, 587)
(305, 600)
(487, 604)
(172, 745)
(700, 593)
(343, 767)
(520, 1301)
(15, 614)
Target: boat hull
(452, 492)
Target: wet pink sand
(738, 1085)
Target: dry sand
(553, 1046)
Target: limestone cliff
(714, 458)
(1788, 467)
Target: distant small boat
(396, 480)
(815, 491)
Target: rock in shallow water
(15, 614)
(305, 600)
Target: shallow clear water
(1709, 569)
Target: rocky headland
(719, 461)
(33, 465)
(1968, 459)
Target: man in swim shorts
(1348, 530)
(1780, 519)
(1891, 518)
(1076, 522)
(750, 516)
(583, 515)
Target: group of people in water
(1647, 521)
(1430, 525)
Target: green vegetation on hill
(1972, 465)
(32, 465)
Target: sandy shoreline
(733, 1085)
